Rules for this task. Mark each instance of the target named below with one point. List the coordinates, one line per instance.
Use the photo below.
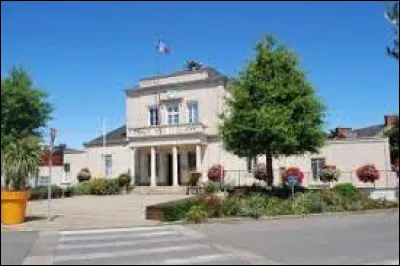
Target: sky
(85, 54)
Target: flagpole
(104, 146)
(158, 99)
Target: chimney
(342, 132)
(390, 120)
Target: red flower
(368, 173)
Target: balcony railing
(165, 130)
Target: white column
(198, 158)
(133, 165)
(153, 181)
(162, 175)
(175, 166)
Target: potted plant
(329, 174)
(84, 175)
(260, 173)
(368, 173)
(216, 174)
(124, 182)
(20, 159)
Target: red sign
(57, 158)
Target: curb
(20, 228)
(284, 217)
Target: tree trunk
(270, 172)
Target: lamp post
(53, 133)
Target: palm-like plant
(20, 158)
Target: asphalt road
(355, 239)
(15, 246)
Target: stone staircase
(159, 190)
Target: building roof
(212, 72)
(115, 136)
(213, 75)
(62, 147)
(70, 151)
(371, 131)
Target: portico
(165, 165)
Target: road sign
(292, 180)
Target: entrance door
(170, 168)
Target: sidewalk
(83, 212)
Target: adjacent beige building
(172, 129)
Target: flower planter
(13, 206)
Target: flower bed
(341, 198)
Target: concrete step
(147, 190)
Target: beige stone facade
(161, 147)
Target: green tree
(24, 109)
(392, 15)
(272, 108)
(393, 134)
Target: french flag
(162, 48)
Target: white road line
(113, 230)
(102, 255)
(119, 243)
(102, 237)
(196, 259)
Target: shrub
(196, 214)
(292, 171)
(213, 204)
(260, 172)
(69, 191)
(334, 208)
(212, 187)
(83, 188)
(177, 211)
(276, 206)
(124, 180)
(255, 206)
(232, 206)
(329, 174)
(99, 186)
(284, 192)
(329, 197)
(40, 193)
(102, 187)
(385, 204)
(216, 173)
(368, 173)
(112, 187)
(347, 191)
(305, 203)
(84, 175)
